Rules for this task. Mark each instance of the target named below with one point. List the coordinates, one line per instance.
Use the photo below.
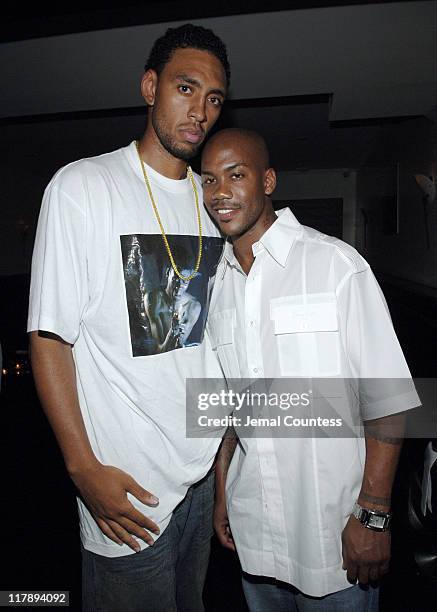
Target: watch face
(377, 521)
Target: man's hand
(366, 553)
(104, 489)
(221, 525)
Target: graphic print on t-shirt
(165, 312)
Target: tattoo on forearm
(389, 430)
(378, 435)
(373, 499)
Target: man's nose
(222, 191)
(198, 109)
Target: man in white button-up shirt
(297, 303)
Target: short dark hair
(184, 37)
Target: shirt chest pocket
(306, 334)
(221, 327)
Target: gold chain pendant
(158, 218)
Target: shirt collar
(228, 253)
(277, 240)
(229, 258)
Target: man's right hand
(104, 489)
(221, 525)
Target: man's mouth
(193, 136)
(226, 214)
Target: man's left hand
(366, 553)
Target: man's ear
(149, 84)
(269, 181)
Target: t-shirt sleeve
(59, 288)
(372, 348)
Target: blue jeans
(166, 577)
(268, 595)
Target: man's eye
(216, 101)
(237, 175)
(184, 89)
(207, 181)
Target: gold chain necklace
(158, 218)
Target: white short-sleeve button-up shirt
(311, 307)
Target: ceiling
(51, 19)
(317, 82)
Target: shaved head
(237, 184)
(251, 143)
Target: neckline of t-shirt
(173, 185)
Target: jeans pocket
(142, 567)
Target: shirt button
(252, 323)
(256, 370)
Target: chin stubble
(170, 145)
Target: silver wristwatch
(372, 519)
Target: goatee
(169, 144)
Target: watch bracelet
(359, 511)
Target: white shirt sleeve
(372, 348)
(59, 288)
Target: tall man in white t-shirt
(296, 303)
(110, 227)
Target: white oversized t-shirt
(101, 280)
